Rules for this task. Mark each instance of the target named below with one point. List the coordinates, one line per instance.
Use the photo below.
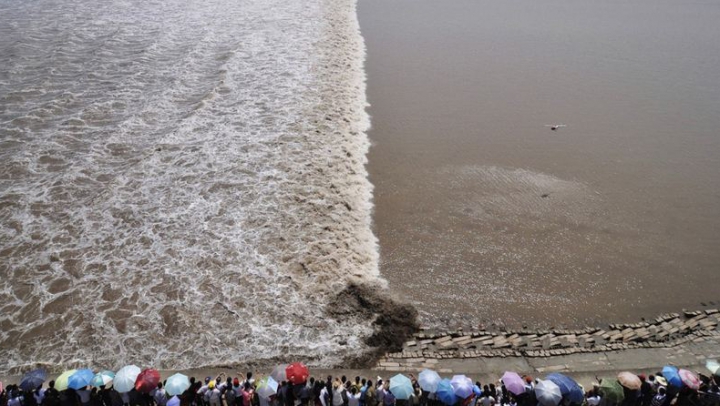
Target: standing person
(160, 397)
(84, 396)
(659, 399)
(95, 398)
(213, 395)
(52, 396)
(336, 395)
(247, 394)
(230, 395)
(353, 397)
(646, 391)
(324, 397)
(388, 397)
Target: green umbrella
(611, 391)
(61, 382)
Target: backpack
(363, 396)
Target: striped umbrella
(103, 378)
(689, 379)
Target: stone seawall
(428, 348)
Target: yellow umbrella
(61, 382)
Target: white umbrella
(125, 378)
(712, 365)
(267, 387)
(278, 373)
(177, 384)
(428, 380)
(547, 393)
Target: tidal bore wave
(183, 184)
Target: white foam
(186, 187)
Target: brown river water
(485, 215)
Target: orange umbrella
(629, 380)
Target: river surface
(486, 216)
(182, 183)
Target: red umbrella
(147, 380)
(297, 373)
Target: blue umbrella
(568, 387)
(462, 386)
(31, 380)
(428, 380)
(401, 387)
(670, 373)
(445, 392)
(80, 379)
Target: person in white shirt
(213, 395)
(353, 397)
(323, 395)
(39, 395)
(160, 396)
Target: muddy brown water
(484, 215)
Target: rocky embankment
(427, 348)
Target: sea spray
(183, 184)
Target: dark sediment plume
(394, 322)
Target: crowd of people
(341, 391)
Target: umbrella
(61, 382)
(547, 393)
(611, 390)
(80, 379)
(267, 387)
(568, 387)
(629, 380)
(462, 386)
(278, 373)
(689, 379)
(125, 378)
(445, 392)
(103, 378)
(147, 380)
(31, 380)
(173, 401)
(297, 373)
(401, 387)
(712, 365)
(428, 380)
(1, 387)
(177, 384)
(670, 373)
(513, 383)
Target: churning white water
(182, 183)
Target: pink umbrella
(689, 379)
(514, 383)
(1, 387)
